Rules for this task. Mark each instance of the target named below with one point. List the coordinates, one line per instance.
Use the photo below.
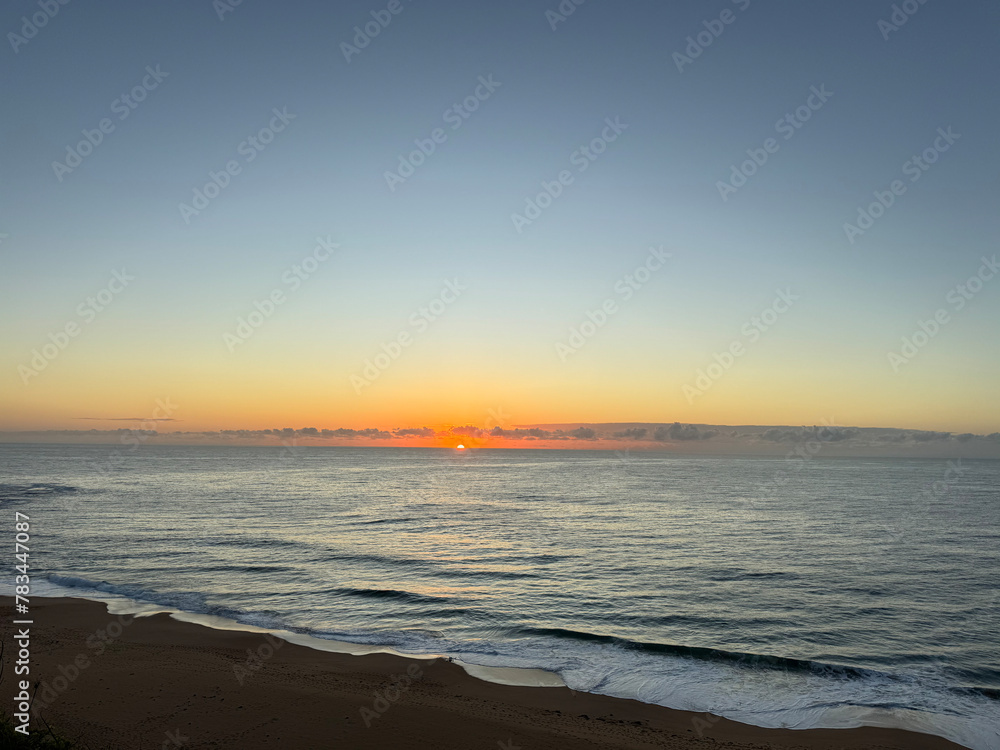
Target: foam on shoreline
(120, 605)
(753, 697)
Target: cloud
(415, 432)
(782, 436)
(469, 430)
(822, 433)
(634, 433)
(680, 437)
(678, 431)
(836, 434)
(533, 433)
(344, 432)
(925, 436)
(892, 437)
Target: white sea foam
(766, 697)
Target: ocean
(783, 592)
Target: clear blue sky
(657, 184)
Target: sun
(460, 447)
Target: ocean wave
(402, 596)
(33, 490)
(492, 575)
(750, 660)
(759, 661)
(738, 574)
(433, 568)
(191, 601)
(759, 689)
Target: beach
(119, 681)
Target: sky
(644, 212)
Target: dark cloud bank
(677, 437)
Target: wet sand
(154, 682)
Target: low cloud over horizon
(675, 437)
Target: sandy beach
(151, 682)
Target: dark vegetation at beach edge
(36, 739)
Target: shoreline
(124, 681)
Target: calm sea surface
(822, 592)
